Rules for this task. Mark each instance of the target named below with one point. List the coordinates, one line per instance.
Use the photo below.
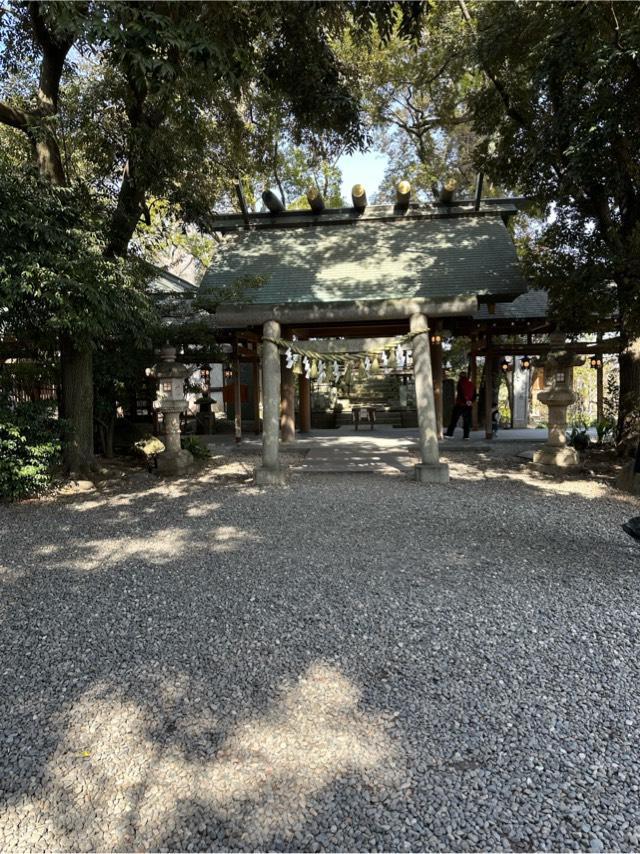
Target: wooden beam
(351, 345)
(611, 345)
(361, 330)
(229, 316)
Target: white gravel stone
(346, 663)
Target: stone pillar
(287, 404)
(270, 471)
(436, 365)
(305, 404)
(430, 470)
(170, 376)
(558, 395)
(520, 379)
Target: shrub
(197, 449)
(30, 450)
(605, 428)
(578, 438)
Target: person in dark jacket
(465, 395)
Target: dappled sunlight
(487, 468)
(202, 510)
(124, 778)
(567, 485)
(160, 548)
(226, 538)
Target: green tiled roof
(168, 284)
(438, 258)
(533, 303)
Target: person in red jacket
(465, 395)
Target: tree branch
(54, 53)
(14, 117)
(512, 111)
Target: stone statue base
(431, 473)
(270, 477)
(174, 463)
(628, 480)
(561, 457)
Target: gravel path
(348, 663)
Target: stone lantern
(558, 395)
(170, 376)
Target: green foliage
(605, 428)
(54, 277)
(578, 438)
(559, 117)
(416, 98)
(30, 450)
(195, 448)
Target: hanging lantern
(228, 372)
(525, 363)
(596, 361)
(505, 366)
(436, 338)
(205, 374)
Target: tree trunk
(629, 398)
(77, 405)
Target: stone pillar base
(562, 457)
(270, 477)
(432, 473)
(174, 463)
(628, 480)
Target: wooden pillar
(488, 392)
(287, 404)
(255, 368)
(473, 376)
(430, 469)
(305, 404)
(600, 393)
(436, 369)
(600, 387)
(237, 399)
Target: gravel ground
(347, 663)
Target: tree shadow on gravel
(202, 666)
